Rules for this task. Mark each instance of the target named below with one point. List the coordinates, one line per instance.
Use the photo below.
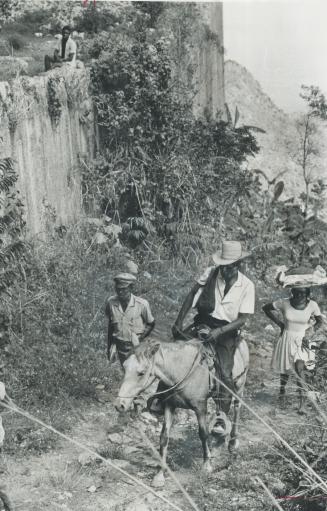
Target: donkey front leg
(159, 479)
(201, 415)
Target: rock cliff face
(46, 125)
(210, 60)
(279, 146)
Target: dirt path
(67, 479)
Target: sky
(283, 43)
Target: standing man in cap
(130, 318)
(224, 298)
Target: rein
(176, 385)
(173, 387)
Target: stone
(115, 438)
(92, 489)
(269, 328)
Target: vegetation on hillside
(166, 185)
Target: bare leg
(233, 442)
(159, 479)
(299, 369)
(283, 381)
(201, 415)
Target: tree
(159, 163)
(7, 9)
(12, 246)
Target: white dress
(289, 346)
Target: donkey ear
(152, 348)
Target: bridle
(175, 387)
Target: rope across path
(85, 448)
(13, 408)
(277, 435)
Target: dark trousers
(50, 61)
(224, 349)
(124, 350)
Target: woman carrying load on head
(294, 317)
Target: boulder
(115, 438)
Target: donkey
(184, 382)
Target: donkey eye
(141, 372)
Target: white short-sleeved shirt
(297, 320)
(70, 48)
(131, 321)
(239, 299)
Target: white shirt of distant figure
(71, 47)
(2, 396)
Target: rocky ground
(67, 477)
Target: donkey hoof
(159, 480)
(233, 445)
(207, 467)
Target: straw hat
(231, 251)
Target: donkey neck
(173, 361)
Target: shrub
(53, 97)
(33, 19)
(57, 327)
(7, 9)
(16, 42)
(160, 164)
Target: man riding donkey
(130, 320)
(224, 298)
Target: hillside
(278, 145)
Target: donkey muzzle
(122, 405)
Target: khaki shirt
(131, 321)
(239, 299)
